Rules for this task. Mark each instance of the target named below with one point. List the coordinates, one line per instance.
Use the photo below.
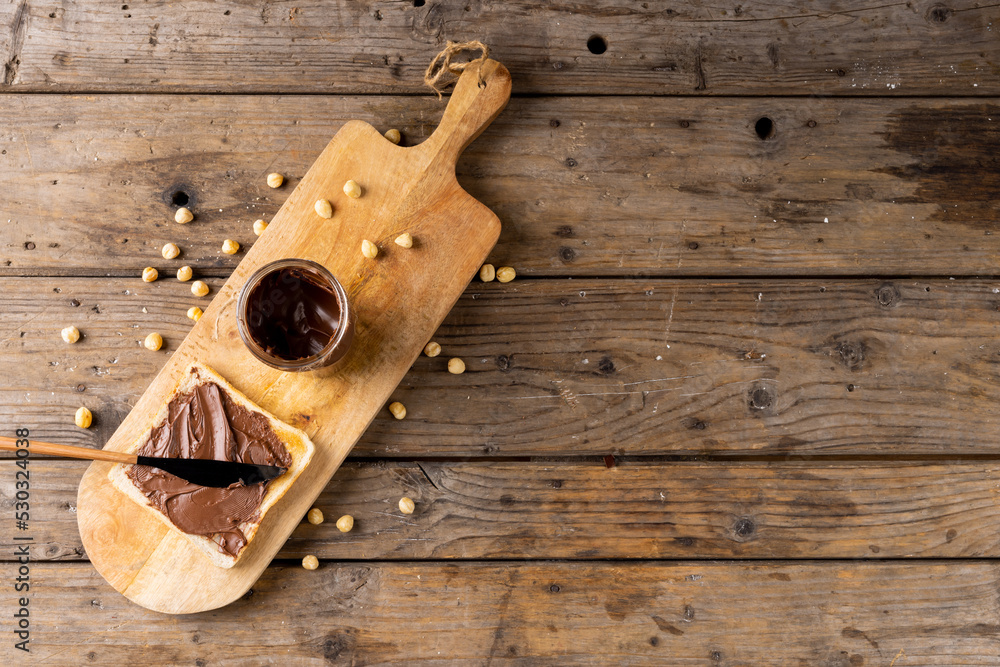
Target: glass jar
(293, 315)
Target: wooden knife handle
(52, 449)
(480, 95)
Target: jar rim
(313, 361)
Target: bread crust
(298, 444)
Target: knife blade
(204, 472)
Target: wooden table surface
(738, 408)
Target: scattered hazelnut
(456, 366)
(505, 274)
(345, 523)
(230, 247)
(259, 226)
(406, 505)
(310, 562)
(393, 136)
(397, 409)
(369, 249)
(199, 288)
(83, 418)
(432, 349)
(184, 274)
(149, 274)
(487, 273)
(70, 334)
(183, 215)
(352, 189)
(170, 251)
(195, 313)
(324, 208)
(315, 516)
(275, 180)
(404, 240)
(153, 342)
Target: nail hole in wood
(179, 198)
(597, 44)
(764, 127)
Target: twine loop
(442, 72)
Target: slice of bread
(295, 441)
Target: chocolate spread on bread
(205, 423)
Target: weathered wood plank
(579, 511)
(384, 46)
(769, 613)
(577, 367)
(584, 186)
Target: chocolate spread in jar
(292, 314)
(205, 423)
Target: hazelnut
(369, 249)
(487, 273)
(83, 418)
(404, 240)
(456, 366)
(184, 274)
(199, 288)
(153, 342)
(183, 215)
(352, 189)
(149, 274)
(310, 562)
(406, 505)
(324, 208)
(315, 516)
(195, 313)
(345, 523)
(70, 334)
(397, 409)
(230, 247)
(259, 226)
(393, 136)
(505, 274)
(275, 180)
(432, 349)
(170, 251)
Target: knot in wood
(852, 354)
(503, 363)
(744, 528)
(606, 366)
(760, 398)
(939, 13)
(887, 295)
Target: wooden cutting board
(400, 299)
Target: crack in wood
(19, 26)
(429, 479)
(699, 71)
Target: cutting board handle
(480, 95)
